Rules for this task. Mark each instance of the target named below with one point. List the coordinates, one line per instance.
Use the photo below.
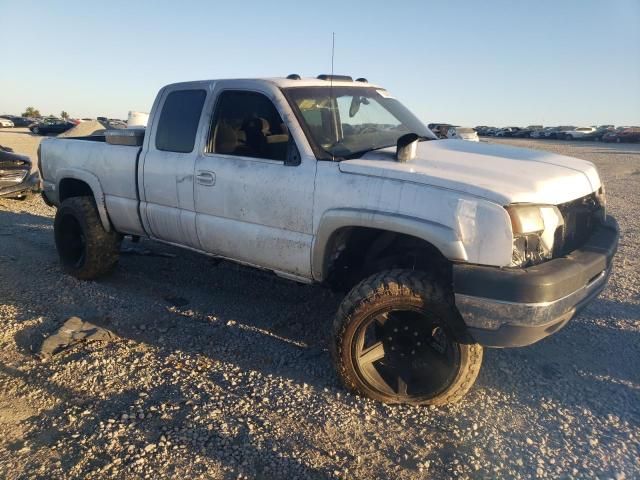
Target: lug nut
(419, 343)
(395, 329)
(415, 334)
(413, 352)
(406, 328)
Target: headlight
(534, 228)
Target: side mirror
(355, 106)
(293, 154)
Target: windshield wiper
(347, 155)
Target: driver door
(254, 191)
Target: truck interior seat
(226, 139)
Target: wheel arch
(337, 223)
(76, 183)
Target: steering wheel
(369, 129)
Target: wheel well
(354, 253)
(72, 187)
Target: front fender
(444, 238)
(94, 183)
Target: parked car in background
(507, 132)
(51, 125)
(576, 133)
(612, 135)
(486, 131)
(598, 133)
(16, 178)
(557, 132)
(527, 131)
(463, 133)
(19, 121)
(541, 133)
(440, 129)
(623, 134)
(6, 123)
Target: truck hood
(500, 173)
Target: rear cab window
(179, 119)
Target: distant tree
(64, 115)
(31, 112)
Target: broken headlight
(601, 198)
(534, 228)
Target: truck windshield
(347, 122)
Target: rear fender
(94, 184)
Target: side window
(247, 124)
(179, 119)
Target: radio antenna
(333, 50)
(331, 102)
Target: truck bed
(112, 168)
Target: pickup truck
(444, 246)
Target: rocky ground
(219, 371)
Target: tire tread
(102, 247)
(399, 283)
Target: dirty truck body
(462, 246)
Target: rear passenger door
(167, 206)
(254, 191)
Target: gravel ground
(220, 371)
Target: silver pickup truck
(444, 246)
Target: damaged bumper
(17, 187)
(509, 307)
(16, 177)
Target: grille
(581, 217)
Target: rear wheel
(85, 248)
(394, 342)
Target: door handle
(206, 178)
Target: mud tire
(399, 289)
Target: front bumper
(512, 307)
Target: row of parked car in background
(602, 133)
(51, 125)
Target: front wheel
(394, 342)
(86, 249)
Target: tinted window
(247, 124)
(179, 119)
